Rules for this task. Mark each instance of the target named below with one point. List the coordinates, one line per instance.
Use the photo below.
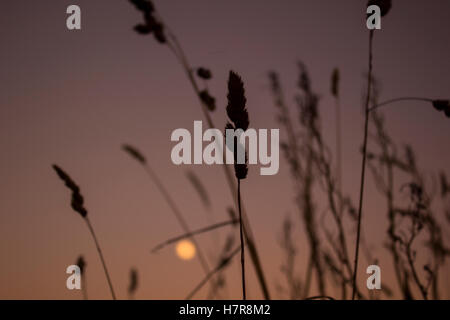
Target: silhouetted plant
(204, 73)
(385, 6)
(311, 162)
(77, 204)
(137, 155)
(206, 102)
(294, 283)
(220, 280)
(312, 167)
(200, 188)
(209, 228)
(238, 115)
(81, 263)
(133, 285)
(335, 80)
(298, 153)
(224, 261)
(439, 105)
(406, 223)
(445, 186)
(151, 23)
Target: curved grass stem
(244, 295)
(178, 51)
(219, 267)
(363, 169)
(91, 229)
(193, 233)
(399, 99)
(177, 214)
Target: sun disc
(185, 250)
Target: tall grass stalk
(363, 167)
(244, 292)
(239, 120)
(99, 250)
(77, 204)
(179, 53)
(335, 92)
(154, 24)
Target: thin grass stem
(91, 229)
(399, 99)
(363, 169)
(244, 295)
(193, 233)
(178, 51)
(219, 267)
(177, 214)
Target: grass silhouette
(134, 282)
(138, 156)
(164, 35)
(413, 221)
(238, 115)
(81, 263)
(209, 228)
(78, 206)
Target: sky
(74, 97)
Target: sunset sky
(74, 97)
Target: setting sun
(185, 250)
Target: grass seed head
(77, 201)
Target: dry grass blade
(291, 148)
(232, 214)
(81, 263)
(445, 186)
(137, 155)
(208, 100)
(200, 188)
(335, 83)
(385, 6)
(77, 202)
(287, 244)
(175, 46)
(335, 79)
(132, 287)
(238, 115)
(193, 233)
(224, 262)
(363, 167)
(78, 205)
(236, 109)
(439, 105)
